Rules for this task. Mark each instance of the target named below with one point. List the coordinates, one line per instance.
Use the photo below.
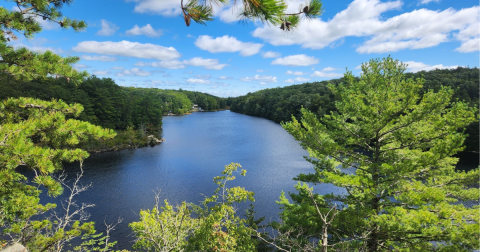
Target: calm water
(198, 147)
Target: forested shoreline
(134, 113)
(279, 104)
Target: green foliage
(404, 191)
(279, 104)
(198, 12)
(23, 64)
(38, 135)
(211, 226)
(266, 11)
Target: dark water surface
(197, 148)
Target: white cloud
(128, 49)
(108, 28)
(224, 78)
(198, 81)
(146, 30)
(262, 78)
(227, 44)
(41, 49)
(328, 69)
(101, 72)
(298, 79)
(203, 76)
(364, 18)
(98, 58)
(427, 1)
(271, 54)
(470, 37)
(168, 64)
(117, 68)
(296, 60)
(326, 74)
(205, 63)
(263, 83)
(163, 7)
(133, 71)
(228, 14)
(80, 66)
(212, 64)
(414, 67)
(295, 73)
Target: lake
(197, 148)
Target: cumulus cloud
(203, 76)
(163, 7)
(298, 79)
(98, 58)
(364, 18)
(117, 68)
(128, 49)
(296, 60)
(470, 37)
(146, 30)
(101, 72)
(227, 44)
(212, 64)
(327, 69)
(79, 66)
(198, 81)
(295, 73)
(108, 28)
(168, 64)
(133, 72)
(270, 54)
(224, 78)
(427, 1)
(414, 67)
(262, 78)
(325, 74)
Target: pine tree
(23, 64)
(391, 150)
(266, 11)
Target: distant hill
(279, 104)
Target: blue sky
(145, 43)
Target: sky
(145, 43)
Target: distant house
(195, 106)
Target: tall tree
(390, 149)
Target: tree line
(405, 194)
(279, 104)
(112, 106)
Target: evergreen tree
(267, 11)
(390, 149)
(24, 64)
(39, 135)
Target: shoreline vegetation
(134, 113)
(279, 104)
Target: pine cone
(187, 19)
(305, 10)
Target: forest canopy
(278, 104)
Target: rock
(16, 247)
